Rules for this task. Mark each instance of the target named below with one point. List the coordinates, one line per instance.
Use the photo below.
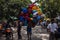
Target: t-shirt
(29, 29)
(53, 27)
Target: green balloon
(31, 15)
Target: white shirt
(42, 23)
(53, 27)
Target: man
(52, 27)
(19, 29)
(29, 30)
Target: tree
(53, 7)
(12, 7)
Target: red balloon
(27, 18)
(29, 10)
(30, 6)
(27, 14)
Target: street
(37, 34)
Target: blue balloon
(34, 11)
(38, 17)
(24, 10)
(21, 18)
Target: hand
(48, 31)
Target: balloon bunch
(30, 14)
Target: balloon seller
(19, 30)
(30, 15)
(19, 26)
(29, 30)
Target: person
(29, 30)
(43, 24)
(52, 28)
(57, 34)
(19, 30)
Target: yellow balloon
(31, 18)
(38, 9)
(39, 13)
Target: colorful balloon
(31, 5)
(34, 8)
(34, 11)
(29, 10)
(31, 18)
(21, 18)
(39, 13)
(31, 15)
(24, 10)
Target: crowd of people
(50, 25)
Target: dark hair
(52, 20)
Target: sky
(33, 0)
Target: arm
(48, 28)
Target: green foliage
(12, 7)
(53, 7)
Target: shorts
(29, 31)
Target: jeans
(19, 32)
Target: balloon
(31, 5)
(24, 10)
(21, 18)
(34, 8)
(27, 14)
(31, 15)
(39, 13)
(27, 18)
(38, 9)
(31, 18)
(38, 17)
(29, 10)
(34, 11)
(35, 14)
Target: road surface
(37, 34)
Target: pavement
(38, 33)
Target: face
(52, 21)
